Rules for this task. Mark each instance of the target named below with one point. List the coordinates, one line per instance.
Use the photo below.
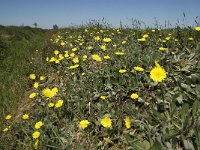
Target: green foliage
(164, 116)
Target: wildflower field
(97, 87)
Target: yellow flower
(96, 38)
(106, 57)
(55, 90)
(32, 95)
(114, 45)
(84, 124)
(84, 57)
(127, 122)
(50, 105)
(168, 38)
(106, 122)
(103, 47)
(49, 93)
(134, 96)
(107, 40)
(35, 85)
(72, 55)
(5, 129)
(36, 134)
(96, 57)
(119, 53)
(141, 40)
(158, 74)
(74, 66)
(42, 78)
(103, 97)
(62, 43)
(163, 49)
(137, 68)
(197, 28)
(59, 103)
(145, 36)
(74, 49)
(56, 52)
(190, 39)
(89, 47)
(123, 42)
(8, 117)
(75, 60)
(32, 76)
(25, 116)
(38, 124)
(122, 70)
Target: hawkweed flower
(119, 53)
(42, 78)
(158, 73)
(134, 96)
(106, 122)
(106, 57)
(8, 117)
(59, 103)
(122, 70)
(103, 47)
(75, 60)
(139, 69)
(32, 76)
(50, 105)
(107, 40)
(38, 125)
(56, 52)
(25, 117)
(96, 57)
(163, 49)
(36, 134)
(103, 97)
(35, 85)
(32, 95)
(127, 122)
(197, 28)
(84, 124)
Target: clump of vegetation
(111, 88)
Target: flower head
(127, 122)
(38, 124)
(35, 85)
(59, 103)
(32, 95)
(32, 76)
(122, 70)
(107, 40)
(134, 96)
(36, 134)
(106, 122)
(197, 28)
(139, 69)
(96, 57)
(158, 74)
(84, 124)
(8, 117)
(25, 116)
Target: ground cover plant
(110, 88)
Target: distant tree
(55, 27)
(35, 24)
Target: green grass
(164, 116)
(17, 47)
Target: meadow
(97, 87)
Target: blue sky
(69, 12)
